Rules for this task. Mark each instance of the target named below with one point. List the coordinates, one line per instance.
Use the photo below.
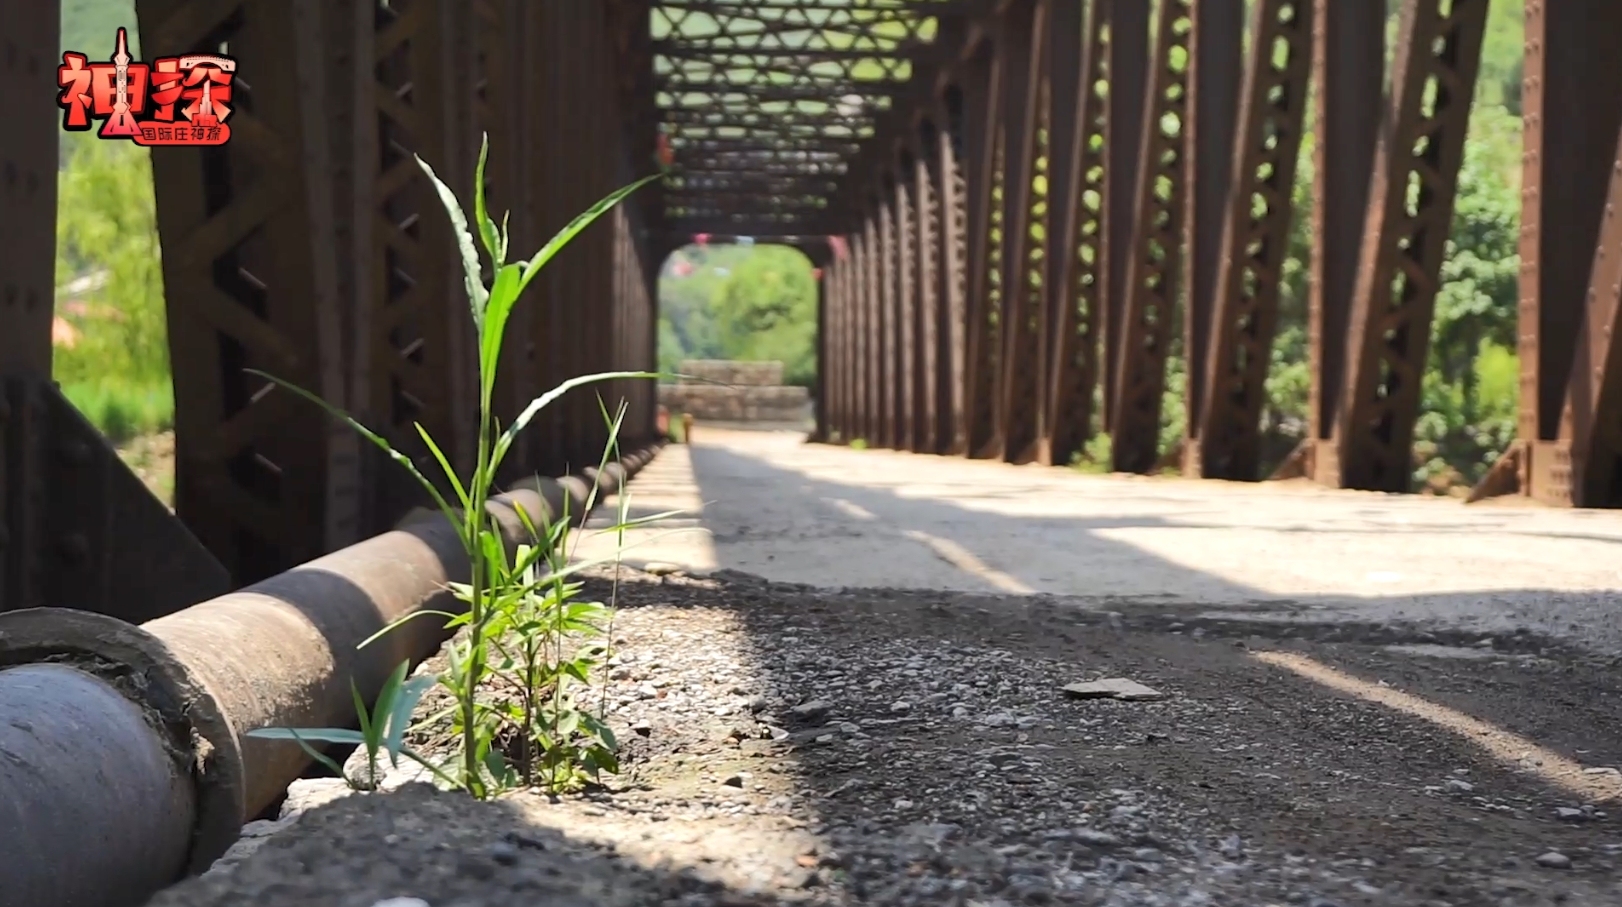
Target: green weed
(382, 729)
(522, 606)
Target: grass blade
(471, 270)
(574, 227)
(547, 399)
(481, 214)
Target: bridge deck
(830, 516)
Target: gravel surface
(792, 745)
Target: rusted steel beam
(888, 277)
(835, 351)
(1127, 75)
(1217, 59)
(1571, 109)
(1410, 212)
(1348, 69)
(28, 157)
(1593, 411)
(77, 527)
(871, 332)
(248, 235)
(1151, 294)
(1019, 379)
(1254, 243)
(1076, 266)
(905, 281)
(981, 83)
(952, 278)
(931, 301)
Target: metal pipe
(139, 733)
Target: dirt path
(787, 743)
(901, 748)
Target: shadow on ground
(1504, 749)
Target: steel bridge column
(982, 89)
(889, 306)
(1127, 75)
(1217, 62)
(77, 527)
(1024, 119)
(931, 301)
(1566, 444)
(955, 286)
(950, 251)
(867, 391)
(1349, 64)
(904, 310)
(1150, 302)
(1076, 267)
(1397, 281)
(1255, 238)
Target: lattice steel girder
(952, 280)
(1572, 108)
(78, 529)
(742, 54)
(889, 313)
(1217, 60)
(1024, 117)
(1348, 70)
(981, 83)
(1127, 75)
(919, 164)
(247, 231)
(905, 331)
(1593, 411)
(1075, 269)
(1150, 301)
(871, 333)
(1255, 239)
(1410, 211)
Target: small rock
(661, 568)
(1113, 688)
(504, 853)
(1458, 785)
(734, 780)
(901, 705)
(1554, 859)
(811, 711)
(1570, 814)
(642, 727)
(402, 902)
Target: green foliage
(116, 364)
(521, 609)
(121, 410)
(743, 303)
(382, 729)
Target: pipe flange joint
(181, 709)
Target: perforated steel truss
(765, 103)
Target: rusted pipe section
(124, 760)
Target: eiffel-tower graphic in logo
(121, 124)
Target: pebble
(1554, 859)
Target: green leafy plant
(508, 594)
(382, 729)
